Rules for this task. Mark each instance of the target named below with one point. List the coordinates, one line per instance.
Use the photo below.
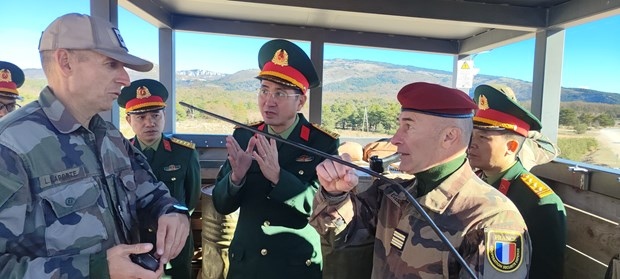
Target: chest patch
(504, 249)
(172, 168)
(399, 238)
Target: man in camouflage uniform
(500, 128)
(483, 225)
(72, 189)
(11, 78)
(173, 161)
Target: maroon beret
(436, 100)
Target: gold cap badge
(483, 103)
(142, 92)
(280, 58)
(5, 75)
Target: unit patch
(399, 238)
(504, 249)
(538, 187)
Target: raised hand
(266, 156)
(239, 159)
(336, 178)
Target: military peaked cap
(497, 111)
(11, 78)
(286, 63)
(143, 95)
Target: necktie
(149, 153)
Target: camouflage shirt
(68, 193)
(481, 223)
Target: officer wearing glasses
(273, 184)
(11, 78)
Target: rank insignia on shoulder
(538, 187)
(504, 249)
(399, 238)
(326, 131)
(304, 158)
(251, 124)
(181, 142)
(172, 168)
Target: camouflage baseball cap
(78, 31)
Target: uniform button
(232, 255)
(301, 172)
(308, 262)
(263, 252)
(266, 223)
(174, 179)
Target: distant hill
(349, 76)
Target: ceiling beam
(577, 12)
(491, 39)
(268, 30)
(450, 10)
(150, 11)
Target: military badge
(172, 168)
(504, 249)
(280, 58)
(304, 159)
(142, 92)
(399, 238)
(483, 103)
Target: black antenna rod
(397, 187)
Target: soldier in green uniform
(173, 161)
(11, 78)
(272, 184)
(500, 128)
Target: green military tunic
(273, 238)
(544, 215)
(175, 162)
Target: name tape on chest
(61, 177)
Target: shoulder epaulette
(187, 144)
(536, 185)
(252, 124)
(326, 131)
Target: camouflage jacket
(68, 193)
(482, 224)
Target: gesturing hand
(267, 158)
(239, 159)
(336, 178)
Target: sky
(591, 54)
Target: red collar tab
(305, 133)
(167, 145)
(504, 185)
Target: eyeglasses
(9, 107)
(279, 95)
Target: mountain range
(361, 76)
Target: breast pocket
(74, 220)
